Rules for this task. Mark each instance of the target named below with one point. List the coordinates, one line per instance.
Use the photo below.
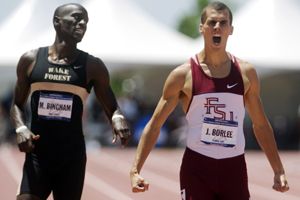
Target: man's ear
(56, 21)
(231, 30)
(201, 29)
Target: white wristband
(117, 116)
(21, 128)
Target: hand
(120, 128)
(24, 139)
(138, 183)
(280, 183)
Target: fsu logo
(214, 108)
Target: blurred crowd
(7, 131)
(138, 112)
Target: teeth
(216, 39)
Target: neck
(60, 50)
(213, 59)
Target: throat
(62, 60)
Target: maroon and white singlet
(216, 113)
(213, 166)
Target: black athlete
(59, 79)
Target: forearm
(16, 116)
(146, 144)
(266, 140)
(108, 101)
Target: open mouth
(217, 40)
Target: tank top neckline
(62, 65)
(213, 78)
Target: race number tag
(55, 107)
(219, 132)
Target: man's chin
(78, 39)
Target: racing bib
(219, 132)
(55, 107)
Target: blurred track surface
(107, 174)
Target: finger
(29, 142)
(29, 146)
(20, 147)
(24, 147)
(139, 188)
(287, 187)
(121, 134)
(124, 142)
(127, 135)
(276, 186)
(284, 186)
(36, 137)
(114, 137)
(125, 138)
(146, 185)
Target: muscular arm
(22, 89)
(263, 130)
(170, 98)
(99, 77)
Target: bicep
(22, 87)
(104, 94)
(253, 101)
(99, 76)
(169, 99)
(21, 93)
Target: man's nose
(83, 22)
(217, 25)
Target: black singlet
(58, 95)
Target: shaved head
(63, 9)
(70, 21)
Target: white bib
(55, 107)
(219, 132)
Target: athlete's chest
(217, 72)
(74, 74)
(64, 73)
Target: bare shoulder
(95, 65)
(250, 78)
(26, 63)
(180, 79)
(28, 58)
(30, 54)
(182, 71)
(95, 62)
(96, 68)
(246, 67)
